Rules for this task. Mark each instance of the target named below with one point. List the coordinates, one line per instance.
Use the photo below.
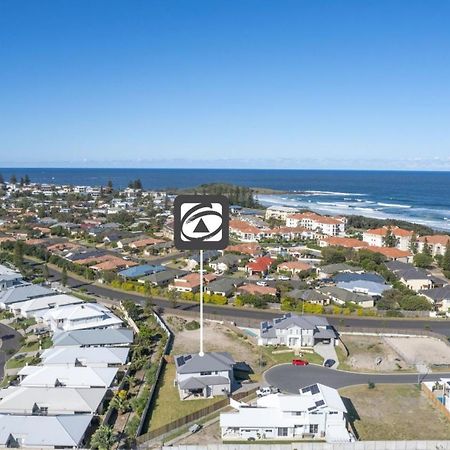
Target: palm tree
(103, 438)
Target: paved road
(10, 344)
(289, 378)
(241, 316)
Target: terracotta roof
(345, 242)
(397, 231)
(254, 289)
(436, 239)
(294, 265)
(390, 252)
(146, 242)
(248, 249)
(261, 264)
(243, 227)
(113, 263)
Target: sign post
(201, 222)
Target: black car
(329, 363)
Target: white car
(266, 390)
(283, 278)
(269, 278)
(261, 283)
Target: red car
(300, 362)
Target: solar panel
(320, 403)
(315, 389)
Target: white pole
(201, 303)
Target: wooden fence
(178, 423)
(434, 400)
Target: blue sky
(248, 83)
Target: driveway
(290, 379)
(327, 351)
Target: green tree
(27, 180)
(413, 246)
(389, 239)
(18, 254)
(64, 277)
(423, 260)
(426, 248)
(446, 259)
(13, 179)
(103, 438)
(45, 273)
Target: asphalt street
(10, 344)
(290, 379)
(240, 316)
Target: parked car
(329, 363)
(300, 362)
(266, 390)
(283, 278)
(268, 278)
(194, 428)
(261, 283)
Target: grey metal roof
(305, 322)
(201, 382)
(106, 336)
(166, 275)
(437, 294)
(23, 293)
(225, 285)
(367, 276)
(44, 431)
(340, 267)
(212, 361)
(345, 295)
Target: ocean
(420, 197)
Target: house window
(282, 432)
(314, 428)
(205, 373)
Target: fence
(162, 361)
(434, 400)
(359, 445)
(178, 423)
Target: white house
(22, 293)
(297, 331)
(204, 376)
(437, 243)
(85, 356)
(331, 226)
(317, 412)
(279, 212)
(44, 432)
(37, 307)
(82, 316)
(9, 277)
(50, 401)
(376, 236)
(67, 376)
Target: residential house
(204, 376)
(250, 249)
(337, 241)
(223, 286)
(342, 296)
(331, 226)
(392, 253)
(327, 271)
(279, 212)
(297, 331)
(85, 356)
(163, 278)
(193, 261)
(44, 432)
(50, 401)
(254, 289)
(140, 271)
(260, 266)
(39, 306)
(361, 286)
(66, 376)
(190, 282)
(224, 263)
(9, 277)
(294, 267)
(309, 295)
(376, 237)
(440, 297)
(437, 243)
(23, 293)
(107, 337)
(82, 316)
(244, 231)
(317, 412)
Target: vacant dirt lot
(426, 351)
(371, 353)
(217, 337)
(210, 434)
(389, 412)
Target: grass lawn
(15, 363)
(281, 358)
(394, 412)
(168, 406)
